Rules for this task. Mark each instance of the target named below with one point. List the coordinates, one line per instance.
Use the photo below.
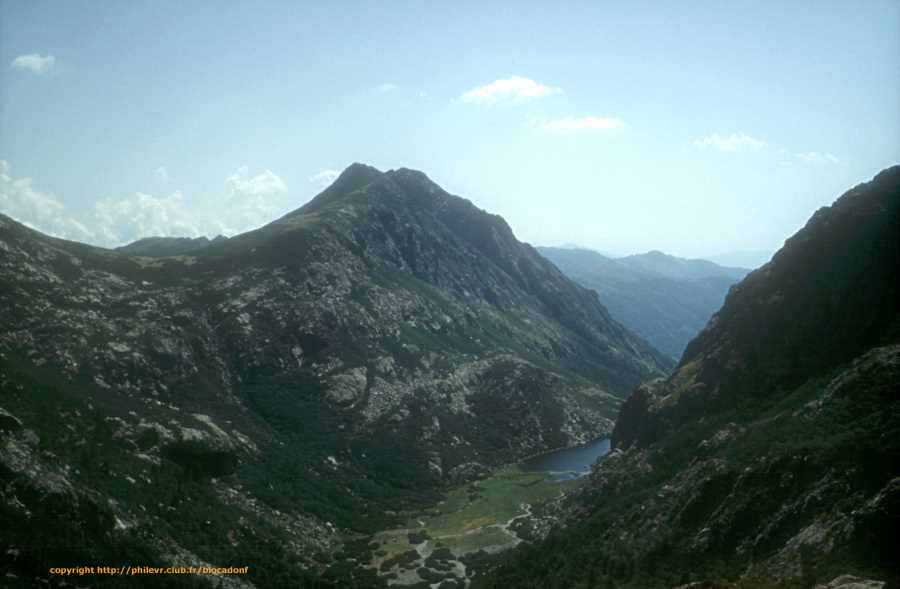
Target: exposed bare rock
(851, 582)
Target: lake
(568, 463)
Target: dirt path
(526, 508)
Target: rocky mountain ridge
(315, 375)
(158, 247)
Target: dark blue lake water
(568, 463)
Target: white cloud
(144, 215)
(817, 158)
(514, 88)
(34, 62)
(251, 202)
(386, 87)
(730, 143)
(813, 158)
(324, 178)
(39, 210)
(240, 185)
(589, 123)
(161, 174)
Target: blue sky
(692, 127)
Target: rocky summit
(769, 458)
(260, 399)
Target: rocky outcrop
(155, 247)
(851, 582)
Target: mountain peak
(358, 171)
(408, 172)
(354, 177)
(357, 176)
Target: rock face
(664, 299)
(770, 456)
(351, 357)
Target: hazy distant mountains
(665, 299)
(656, 262)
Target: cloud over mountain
(324, 178)
(112, 221)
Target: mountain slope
(664, 299)
(769, 457)
(339, 364)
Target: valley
(386, 388)
(664, 299)
(471, 295)
(450, 542)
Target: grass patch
(477, 539)
(494, 500)
(470, 516)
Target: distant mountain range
(771, 456)
(656, 262)
(664, 299)
(748, 259)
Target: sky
(695, 128)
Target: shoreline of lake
(567, 463)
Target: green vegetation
(470, 519)
(75, 526)
(494, 500)
(853, 435)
